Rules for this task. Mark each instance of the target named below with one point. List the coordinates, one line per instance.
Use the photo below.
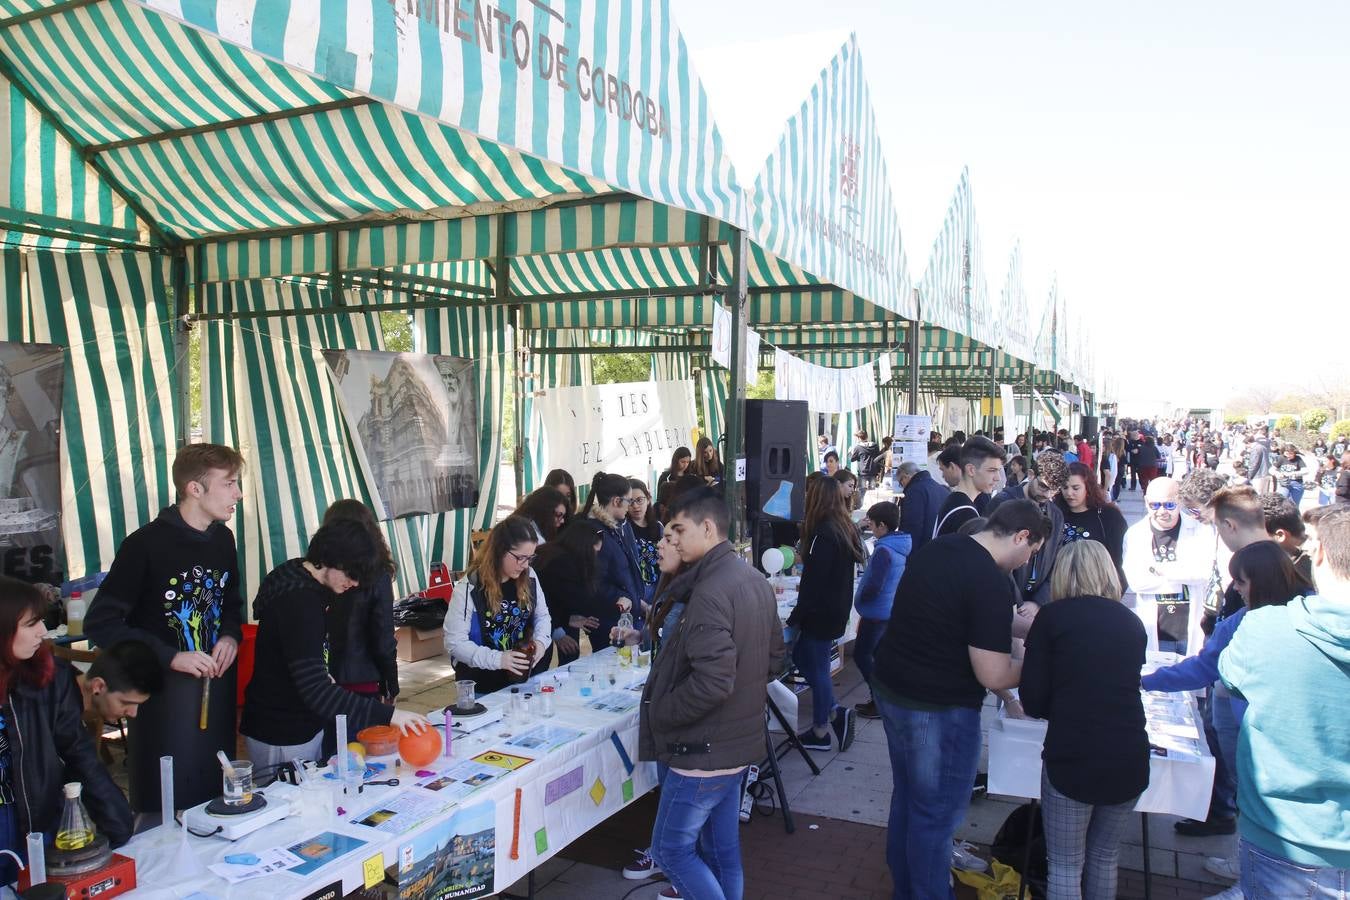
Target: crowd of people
(999, 567)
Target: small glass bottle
(546, 695)
(76, 830)
(621, 641)
(515, 705)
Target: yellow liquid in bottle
(626, 655)
(73, 840)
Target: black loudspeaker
(1110, 421)
(1089, 426)
(776, 448)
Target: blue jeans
(934, 756)
(696, 838)
(1266, 876)
(1226, 726)
(865, 645)
(1294, 491)
(812, 657)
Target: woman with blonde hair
(498, 626)
(1081, 673)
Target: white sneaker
(642, 868)
(963, 859)
(1233, 893)
(1223, 868)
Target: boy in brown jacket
(702, 716)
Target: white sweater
(1198, 549)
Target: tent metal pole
(501, 273)
(229, 124)
(1031, 412)
(913, 336)
(182, 332)
(993, 390)
(735, 416)
(46, 12)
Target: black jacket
(868, 457)
(919, 508)
(362, 646)
(825, 594)
(569, 594)
(52, 747)
(291, 696)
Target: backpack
(1010, 847)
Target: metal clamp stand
(792, 740)
(771, 768)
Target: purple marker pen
(449, 721)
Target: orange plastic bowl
(420, 749)
(379, 740)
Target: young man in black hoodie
(174, 585)
(291, 697)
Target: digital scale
(233, 822)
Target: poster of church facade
(32, 378)
(415, 417)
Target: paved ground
(838, 849)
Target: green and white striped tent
(281, 172)
(255, 163)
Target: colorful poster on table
(32, 378)
(455, 858)
(414, 418)
(626, 429)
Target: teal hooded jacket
(1292, 664)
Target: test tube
(342, 749)
(166, 806)
(449, 722)
(37, 859)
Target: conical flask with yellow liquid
(76, 830)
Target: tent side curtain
(823, 200)
(651, 133)
(266, 389)
(713, 388)
(111, 313)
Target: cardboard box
(415, 644)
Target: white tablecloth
(1177, 786)
(563, 794)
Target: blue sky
(1183, 167)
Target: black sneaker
(812, 741)
(867, 710)
(1211, 826)
(845, 727)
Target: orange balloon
(420, 748)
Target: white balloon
(772, 560)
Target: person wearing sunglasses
(498, 626)
(1168, 561)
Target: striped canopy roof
(953, 291)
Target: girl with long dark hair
(681, 461)
(498, 626)
(707, 464)
(43, 741)
(548, 509)
(568, 571)
(362, 649)
(561, 479)
(831, 547)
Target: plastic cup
(464, 698)
(239, 783)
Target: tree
(1341, 428)
(1314, 419)
(1286, 423)
(619, 368)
